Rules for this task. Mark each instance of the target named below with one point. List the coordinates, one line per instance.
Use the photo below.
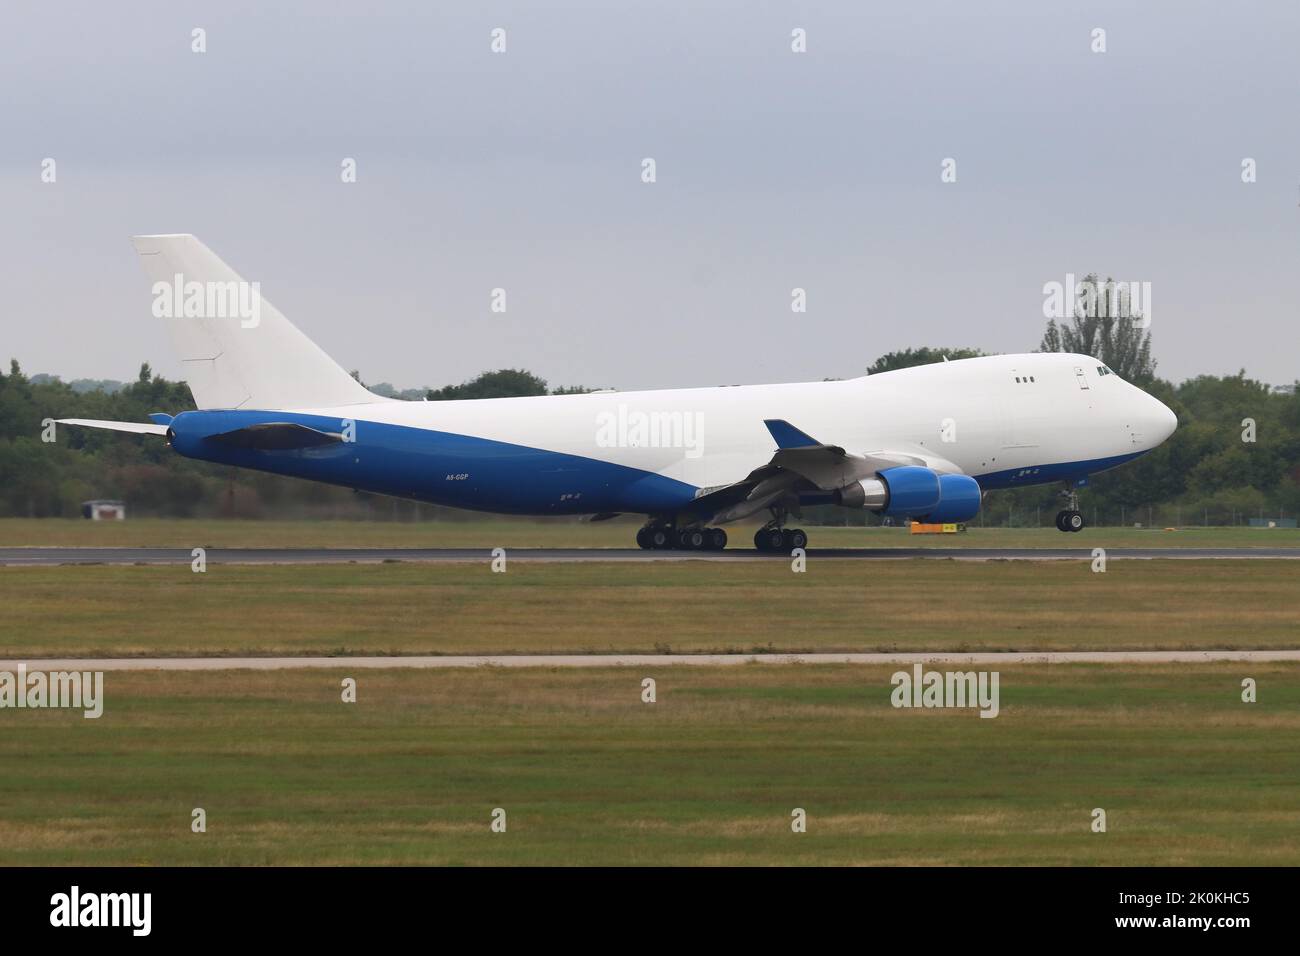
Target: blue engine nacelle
(913, 491)
(960, 500)
(916, 492)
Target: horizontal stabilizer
(138, 428)
(276, 436)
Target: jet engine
(910, 491)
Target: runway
(15, 557)
(643, 660)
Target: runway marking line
(648, 660)
(65, 556)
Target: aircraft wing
(801, 463)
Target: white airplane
(922, 443)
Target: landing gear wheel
(795, 538)
(643, 539)
(693, 540)
(769, 539)
(1071, 518)
(1069, 521)
(717, 539)
(659, 538)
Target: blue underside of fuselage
(1044, 474)
(483, 475)
(439, 467)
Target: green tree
(503, 383)
(925, 355)
(572, 390)
(1104, 326)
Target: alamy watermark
(629, 428)
(1092, 298)
(925, 689)
(75, 908)
(236, 299)
(82, 690)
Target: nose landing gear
(1070, 519)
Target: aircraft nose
(1161, 420)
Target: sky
(522, 170)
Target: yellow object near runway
(918, 528)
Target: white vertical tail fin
(236, 348)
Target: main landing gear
(774, 538)
(661, 535)
(664, 538)
(780, 540)
(1071, 519)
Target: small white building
(104, 510)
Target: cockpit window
(1103, 370)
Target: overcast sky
(775, 170)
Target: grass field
(490, 533)
(587, 774)
(406, 608)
